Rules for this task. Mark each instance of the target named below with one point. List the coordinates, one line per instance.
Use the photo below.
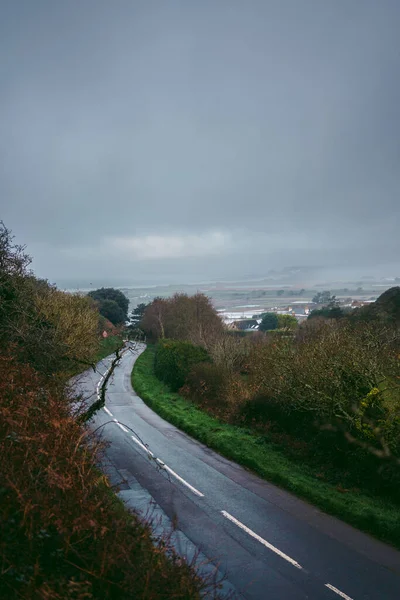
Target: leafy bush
(287, 322)
(232, 352)
(326, 376)
(215, 388)
(113, 304)
(269, 321)
(174, 360)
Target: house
(245, 325)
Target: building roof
(246, 324)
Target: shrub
(232, 352)
(216, 389)
(174, 360)
(63, 533)
(182, 317)
(113, 304)
(269, 321)
(287, 322)
(327, 376)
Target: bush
(187, 318)
(288, 322)
(63, 533)
(113, 304)
(174, 360)
(269, 322)
(216, 389)
(327, 375)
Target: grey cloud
(274, 124)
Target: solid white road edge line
(167, 468)
(345, 596)
(261, 540)
(179, 478)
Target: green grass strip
(375, 515)
(108, 346)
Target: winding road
(270, 544)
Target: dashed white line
(338, 592)
(223, 512)
(261, 540)
(168, 469)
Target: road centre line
(338, 592)
(168, 469)
(223, 512)
(261, 540)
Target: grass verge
(108, 346)
(372, 514)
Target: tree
(137, 314)
(112, 311)
(73, 319)
(281, 292)
(153, 318)
(50, 330)
(287, 322)
(328, 312)
(134, 328)
(111, 294)
(386, 309)
(269, 322)
(183, 317)
(324, 298)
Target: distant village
(249, 320)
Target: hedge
(174, 360)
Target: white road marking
(107, 411)
(338, 592)
(167, 468)
(179, 478)
(122, 427)
(142, 445)
(99, 384)
(261, 540)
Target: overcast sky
(189, 140)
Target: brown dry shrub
(216, 389)
(63, 533)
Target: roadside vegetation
(108, 346)
(315, 409)
(63, 532)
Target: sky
(186, 140)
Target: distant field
(256, 295)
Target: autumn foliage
(63, 533)
(332, 386)
(186, 318)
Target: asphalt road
(270, 544)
